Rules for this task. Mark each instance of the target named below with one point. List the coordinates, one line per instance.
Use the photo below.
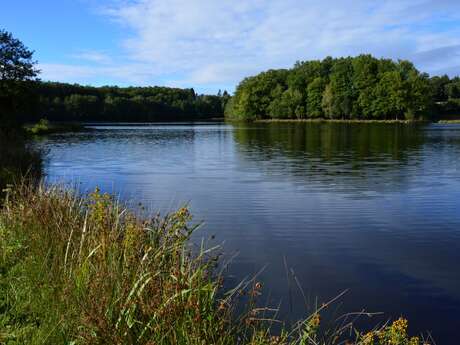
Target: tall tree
(342, 91)
(17, 68)
(315, 92)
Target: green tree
(419, 95)
(254, 95)
(315, 92)
(327, 102)
(365, 78)
(389, 96)
(288, 105)
(341, 89)
(17, 67)
(438, 86)
(452, 89)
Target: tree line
(361, 87)
(66, 102)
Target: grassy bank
(85, 270)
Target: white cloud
(133, 74)
(64, 72)
(93, 56)
(209, 42)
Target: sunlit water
(372, 209)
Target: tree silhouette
(17, 69)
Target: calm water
(374, 209)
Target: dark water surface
(374, 209)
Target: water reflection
(363, 158)
(406, 239)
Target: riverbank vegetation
(362, 87)
(86, 270)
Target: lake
(373, 209)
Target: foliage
(17, 70)
(315, 91)
(65, 102)
(254, 95)
(446, 93)
(16, 62)
(361, 87)
(85, 270)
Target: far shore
(442, 121)
(339, 121)
(449, 121)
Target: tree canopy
(361, 87)
(16, 60)
(17, 69)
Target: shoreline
(45, 127)
(447, 122)
(339, 121)
(355, 121)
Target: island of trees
(360, 87)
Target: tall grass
(86, 270)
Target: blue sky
(213, 44)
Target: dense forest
(66, 102)
(360, 87)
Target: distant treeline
(71, 102)
(360, 87)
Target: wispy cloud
(93, 56)
(210, 42)
(128, 74)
